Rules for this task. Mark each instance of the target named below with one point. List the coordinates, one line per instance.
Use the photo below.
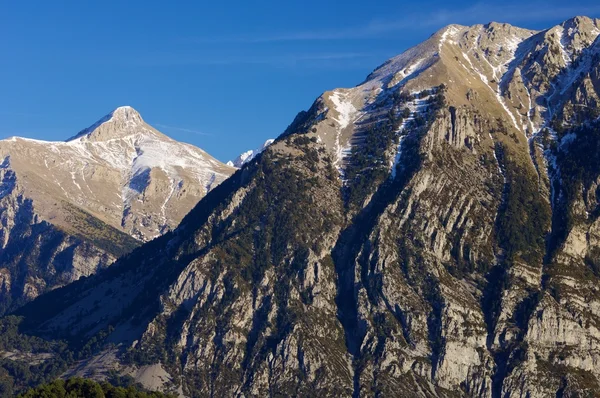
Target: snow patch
(343, 107)
(417, 106)
(496, 92)
(249, 155)
(451, 31)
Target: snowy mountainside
(122, 171)
(102, 192)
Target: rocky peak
(76, 206)
(573, 35)
(126, 114)
(121, 122)
(581, 23)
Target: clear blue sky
(224, 76)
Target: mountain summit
(431, 232)
(122, 120)
(70, 207)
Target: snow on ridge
(247, 156)
(512, 43)
(497, 92)
(451, 31)
(17, 138)
(562, 43)
(426, 50)
(412, 69)
(133, 153)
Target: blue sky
(224, 76)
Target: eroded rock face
(430, 232)
(70, 208)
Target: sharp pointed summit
(120, 122)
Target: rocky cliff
(431, 232)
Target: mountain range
(431, 232)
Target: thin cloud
(170, 59)
(478, 13)
(182, 129)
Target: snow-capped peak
(249, 155)
(123, 117)
(127, 113)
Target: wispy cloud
(182, 129)
(286, 60)
(481, 12)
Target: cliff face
(70, 208)
(430, 232)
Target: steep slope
(68, 208)
(430, 233)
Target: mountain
(248, 155)
(431, 232)
(68, 208)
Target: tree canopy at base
(85, 388)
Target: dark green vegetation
(36, 360)
(524, 218)
(83, 388)
(100, 234)
(45, 360)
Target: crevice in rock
(453, 121)
(347, 253)
(536, 166)
(437, 341)
(491, 302)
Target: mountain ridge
(431, 232)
